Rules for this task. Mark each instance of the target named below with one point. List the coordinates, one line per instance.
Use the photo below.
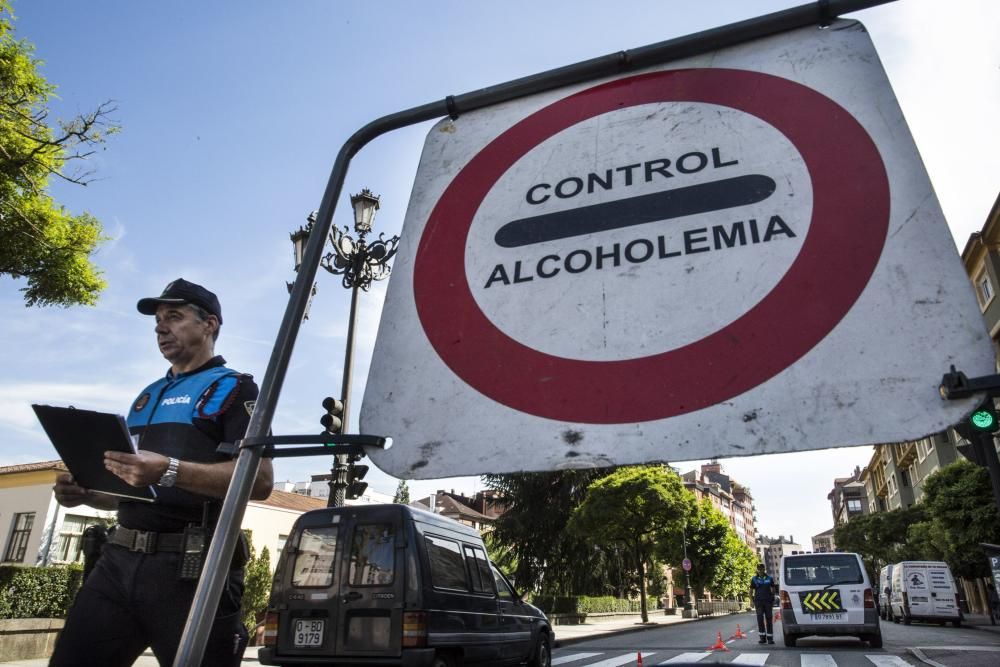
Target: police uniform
(763, 600)
(134, 598)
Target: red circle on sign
(850, 219)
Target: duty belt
(146, 541)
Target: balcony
(906, 454)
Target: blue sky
(232, 114)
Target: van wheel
(875, 640)
(543, 652)
(957, 622)
(789, 639)
(907, 620)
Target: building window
(904, 477)
(853, 505)
(71, 537)
(18, 543)
(984, 290)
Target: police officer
(140, 592)
(762, 590)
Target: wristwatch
(170, 475)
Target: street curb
(559, 643)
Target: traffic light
(355, 487)
(332, 421)
(981, 422)
(984, 419)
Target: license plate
(827, 617)
(308, 632)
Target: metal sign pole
(220, 552)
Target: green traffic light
(984, 420)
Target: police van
(924, 590)
(394, 585)
(827, 594)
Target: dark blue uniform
(762, 587)
(134, 598)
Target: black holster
(94, 538)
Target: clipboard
(81, 437)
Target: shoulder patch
(141, 402)
(249, 405)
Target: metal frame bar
(206, 598)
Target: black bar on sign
(665, 205)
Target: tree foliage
(881, 538)
(957, 513)
(402, 496)
(257, 585)
(962, 515)
(634, 507)
(734, 570)
(530, 541)
(707, 532)
(42, 242)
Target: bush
(38, 592)
(585, 604)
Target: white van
(885, 593)
(924, 590)
(827, 594)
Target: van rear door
(371, 592)
(917, 587)
(306, 586)
(942, 590)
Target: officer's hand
(68, 493)
(140, 469)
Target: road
(688, 643)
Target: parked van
(827, 594)
(924, 590)
(394, 585)
(885, 593)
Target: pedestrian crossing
(751, 658)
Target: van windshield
(822, 570)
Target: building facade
(771, 549)
(824, 542)
(731, 498)
(848, 499)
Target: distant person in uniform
(140, 591)
(762, 590)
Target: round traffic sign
(686, 564)
(847, 230)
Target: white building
(36, 530)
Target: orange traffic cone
(739, 633)
(719, 644)
(638, 660)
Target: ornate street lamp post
(689, 608)
(359, 262)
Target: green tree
(734, 570)
(529, 540)
(42, 242)
(881, 538)
(634, 507)
(962, 514)
(257, 585)
(706, 529)
(402, 496)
